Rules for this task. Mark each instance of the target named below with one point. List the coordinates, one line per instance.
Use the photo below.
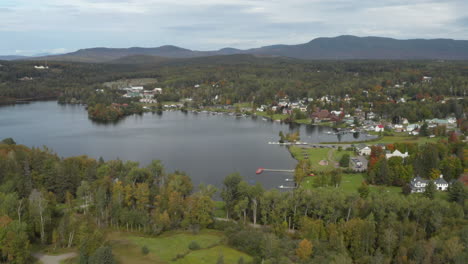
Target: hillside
(337, 48)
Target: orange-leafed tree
(304, 250)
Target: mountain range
(336, 48)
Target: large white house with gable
(418, 184)
(397, 153)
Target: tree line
(69, 202)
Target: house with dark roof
(322, 115)
(418, 184)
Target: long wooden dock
(278, 170)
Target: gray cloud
(211, 24)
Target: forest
(244, 78)
(78, 202)
(74, 202)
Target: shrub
(144, 250)
(194, 246)
(344, 161)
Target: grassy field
(394, 139)
(165, 248)
(274, 116)
(315, 155)
(351, 182)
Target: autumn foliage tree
(304, 249)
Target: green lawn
(165, 248)
(351, 182)
(274, 116)
(168, 245)
(394, 139)
(315, 155)
(211, 255)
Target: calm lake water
(207, 147)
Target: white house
(397, 153)
(157, 90)
(426, 78)
(137, 88)
(418, 184)
(441, 184)
(366, 151)
(379, 128)
(336, 113)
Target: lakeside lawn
(315, 155)
(166, 247)
(350, 184)
(400, 138)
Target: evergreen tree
(430, 190)
(457, 193)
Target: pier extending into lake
(260, 170)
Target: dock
(275, 170)
(260, 170)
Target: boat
(259, 170)
(289, 180)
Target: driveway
(362, 160)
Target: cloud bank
(38, 26)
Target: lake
(208, 147)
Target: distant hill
(140, 59)
(351, 47)
(12, 57)
(337, 48)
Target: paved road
(48, 259)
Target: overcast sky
(56, 26)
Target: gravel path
(49, 259)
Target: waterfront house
(322, 115)
(379, 128)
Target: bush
(344, 161)
(144, 250)
(103, 255)
(194, 246)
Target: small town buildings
(398, 128)
(379, 128)
(397, 153)
(418, 184)
(322, 115)
(148, 100)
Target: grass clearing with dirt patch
(166, 247)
